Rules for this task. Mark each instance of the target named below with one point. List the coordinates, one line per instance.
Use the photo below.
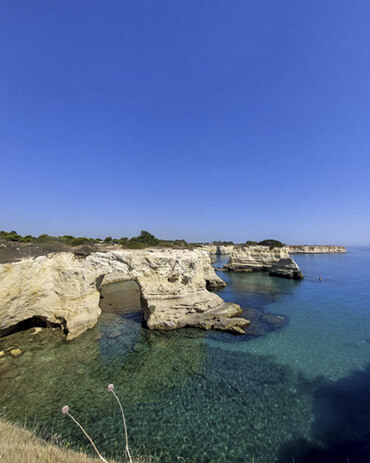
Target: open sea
(299, 393)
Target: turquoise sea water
(300, 393)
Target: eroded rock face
(224, 250)
(224, 318)
(255, 258)
(286, 268)
(64, 289)
(261, 258)
(316, 249)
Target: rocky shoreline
(64, 289)
(315, 249)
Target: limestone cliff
(262, 258)
(218, 249)
(63, 288)
(254, 258)
(224, 250)
(315, 249)
(286, 268)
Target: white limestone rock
(315, 249)
(286, 268)
(224, 250)
(64, 289)
(255, 258)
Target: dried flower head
(65, 409)
(110, 387)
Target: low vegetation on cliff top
(143, 240)
(270, 243)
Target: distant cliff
(315, 249)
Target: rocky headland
(64, 289)
(315, 249)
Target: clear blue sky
(195, 119)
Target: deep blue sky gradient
(195, 119)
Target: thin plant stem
(91, 441)
(124, 425)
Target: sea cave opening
(32, 322)
(123, 299)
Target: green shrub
(79, 241)
(272, 243)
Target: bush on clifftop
(272, 243)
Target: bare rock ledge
(64, 289)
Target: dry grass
(18, 445)
(22, 446)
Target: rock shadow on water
(341, 427)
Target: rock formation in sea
(64, 289)
(224, 249)
(218, 249)
(264, 259)
(254, 258)
(286, 268)
(315, 249)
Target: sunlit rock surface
(64, 288)
(253, 258)
(317, 249)
(224, 250)
(286, 268)
(262, 258)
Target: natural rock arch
(63, 289)
(127, 297)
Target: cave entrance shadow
(341, 427)
(122, 298)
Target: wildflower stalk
(65, 410)
(111, 389)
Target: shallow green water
(300, 392)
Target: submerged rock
(36, 330)
(263, 322)
(15, 352)
(114, 334)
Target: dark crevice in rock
(33, 322)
